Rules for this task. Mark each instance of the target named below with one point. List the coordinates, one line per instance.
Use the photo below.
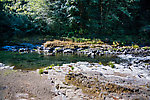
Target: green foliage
(135, 46)
(41, 71)
(50, 67)
(72, 68)
(146, 47)
(57, 64)
(111, 64)
(114, 49)
(115, 43)
(146, 64)
(79, 18)
(100, 63)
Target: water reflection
(37, 60)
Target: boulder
(6, 67)
(68, 51)
(23, 50)
(2, 65)
(83, 63)
(58, 50)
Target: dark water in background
(35, 60)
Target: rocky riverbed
(81, 80)
(53, 47)
(95, 81)
(128, 80)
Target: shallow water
(34, 60)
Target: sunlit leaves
(94, 16)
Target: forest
(125, 21)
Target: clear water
(33, 61)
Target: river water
(35, 60)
